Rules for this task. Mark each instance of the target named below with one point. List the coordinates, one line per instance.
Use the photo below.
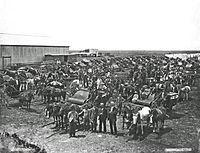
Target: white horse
(30, 83)
(143, 115)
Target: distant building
(91, 52)
(11, 54)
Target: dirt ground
(180, 131)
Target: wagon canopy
(79, 97)
(55, 83)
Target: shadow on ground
(175, 115)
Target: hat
(112, 103)
(101, 104)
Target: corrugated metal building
(10, 54)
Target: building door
(6, 61)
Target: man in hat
(93, 118)
(102, 117)
(72, 116)
(113, 118)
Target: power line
(22, 35)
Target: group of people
(108, 91)
(92, 118)
(160, 74)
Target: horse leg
(163, 121)
(157, 125)
(154, 127)
(142, 129)
(44, 98)
(123, 123)
(148, 122)
(62, 122)
(56, 121)
(46, 111)
(30, 104)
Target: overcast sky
(103, 24)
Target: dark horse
(11, 90)
(10, 73)
(26, 98)
(159, 116)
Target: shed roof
(36, 45)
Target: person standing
(120, 100)
(86, 120)
(72, 116)
(102, 117)
(93, 118)
(113, 118)
(85, 80)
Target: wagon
(79, 97)
(171, 100)
(145, 101)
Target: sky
(102, 24)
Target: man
(186, 91)
(17, 84)
(113, 118)
(93, 118)
(86, 120)
(85, 80)
(120, 100)
(102, 117)
(98, 99)
(72, 116)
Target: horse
(56, 114)
(45, 93)
(58, 94)
(30, 84)
(32, 71)
(63, 112)
(26, 98)
(11, 90)
(127, 116)
(10, 73)
(142, 116)
(48, 110)
(158, 115)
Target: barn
(13, 54)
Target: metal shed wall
(30, 54)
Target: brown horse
(27, 97)
(158, 116)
